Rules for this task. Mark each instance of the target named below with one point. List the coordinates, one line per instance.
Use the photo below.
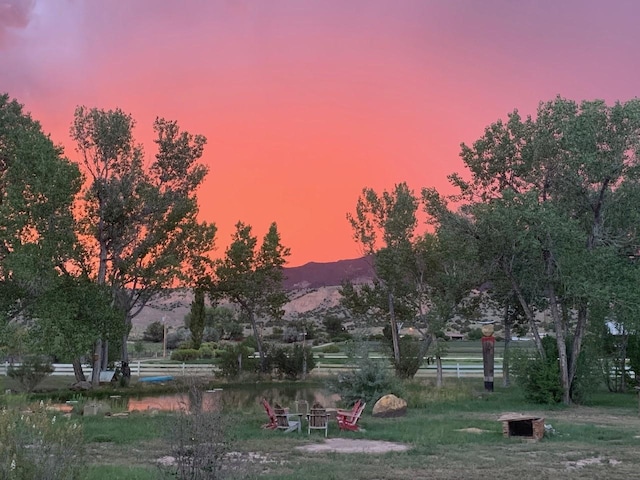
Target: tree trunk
(528, 313)
(97, 362)
(506, 381)
(394, 330)
(254, 326)
(562, 346)
(438, 371)
(104, 364)
(77, 370)
(576, 346)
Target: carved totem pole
(488, 353)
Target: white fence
(451, 368)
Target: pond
(241, 397)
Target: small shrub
(38, 445)
(185, 355)
(33, 370)
(198, 441)
(539, 378)
(206, 351)
(474, 334)
(330, 349)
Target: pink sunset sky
(306, 102)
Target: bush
(33, 370)
(539, 378)
(370, 381)
(290, 362)
(410, 358)
(185, 355)
(154, 332)
(198, 440)
(38, 445)
(207, 351)
(474, 334)
(235, 360)
(330, 349)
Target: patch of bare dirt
(347, 445)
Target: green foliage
(185, 355)
(411, 357)
(154, 332)
(290, 362)
(235, 359)
(251, 277)
(38, 187)
(369, 381)
(38, 445)
(334, 326)
(33, 370)
(140, 216)
(207, 351)
(474, 334)
(539, 377)
(330, 349)
(196, 324)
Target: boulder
(81, 386)
(390, 406)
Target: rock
(81, 386)
(96, 408)
(390, 406)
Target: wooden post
(488, 353)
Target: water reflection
(232, 398)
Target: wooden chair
(287, 421)
(348, 419)
(318, 419)
(302, 406)
(273, 421)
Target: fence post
(182, 368)
(138, 368)
(458, 370)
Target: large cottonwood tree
(548, 189)
(139, 220)
(37, 190)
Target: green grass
(453, 433)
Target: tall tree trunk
(506, 381)
(438, 371)
(97, 362)
(562, 345)
(104, 364)
(78, 373)
(576, 346)
(394, 330)
(125, 348)
(254, 325)
(529, 314)
(102, 277)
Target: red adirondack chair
(348, 419)
(273, 421)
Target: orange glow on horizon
(305, 103)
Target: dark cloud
(14, 14)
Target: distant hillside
(312, 287)
(316, 275)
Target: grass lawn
(453, 434)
